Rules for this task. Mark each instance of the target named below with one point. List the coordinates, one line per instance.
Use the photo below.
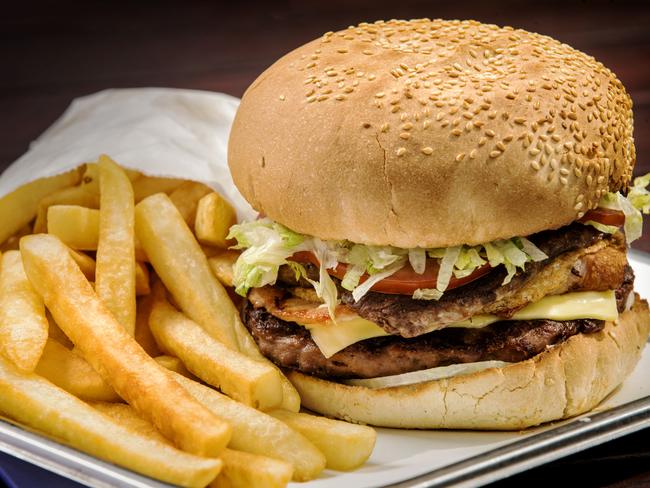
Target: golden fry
(115, 270)
(143, 334)
(346, 446)
(183, 268)
(114, 354)
(23, 325)
(174, 364)
(13, 243)
(34, 401)
(142, 286)
(243, 470)
(251, 382)
(54, 332)
(214, 217)
(19, 207)
(186, 199)
(78, 228)
(145, 186)
(67, 370)
(258, 433)
(86, 264)
(222, 266)
(240, 469)
(83, 195)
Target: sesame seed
(405, 135)
(427, 150)
(283, 98)
(495, 154)
(400, 151)
(456, 132)
(460, 157)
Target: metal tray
(406, 458)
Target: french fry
(19, 207)
(142, 286)
(214, 217)
(243, 470)
(174, 364)
(186, 199)
(78, 228)
(222, 266)
(179, 262)
(82, 195)
(34, 401)
(13, 242)
(115, 270)
(54, 332)
(143, 334)
(346, 446)
(251, 382)
(258, 433)
(114, 354)
(145, 186)
(181, 265)
(86, 263)
(23, 325)
(69, 371)
(240, 469)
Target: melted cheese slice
(332, 337)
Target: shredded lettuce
(633, 206)
(418, 259)
(268, 245)
(427, 294)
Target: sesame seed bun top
(432, 134)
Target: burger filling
(345, 311)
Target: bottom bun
(565, 380)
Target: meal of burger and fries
(444, 214)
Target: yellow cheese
(332, 337)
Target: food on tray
(100, 327)
(445, 209)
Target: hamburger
(445, 208)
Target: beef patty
(290, 346)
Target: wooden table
(52, 52)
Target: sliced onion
(426, 374)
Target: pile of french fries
(118, 336)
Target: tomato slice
(605, 216)
(403, 282)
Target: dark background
(52, 52)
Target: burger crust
(562, 382)
(432, 134)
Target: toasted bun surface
(564, 381)
(431, 133)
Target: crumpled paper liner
(158, 131)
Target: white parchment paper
(158, 131)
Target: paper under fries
(34, 401)
(23, 325)
(115, 269)
(114, 354)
